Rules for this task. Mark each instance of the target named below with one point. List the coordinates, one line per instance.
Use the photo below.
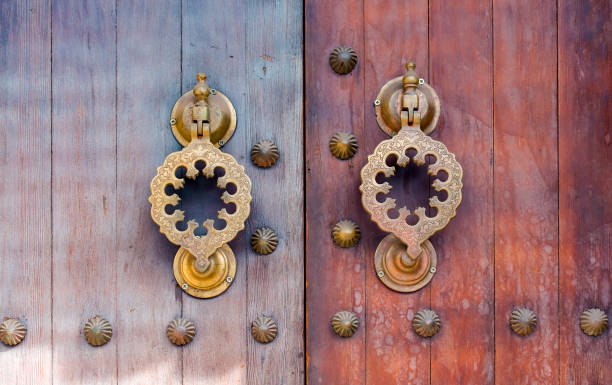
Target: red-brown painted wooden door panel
(525, 90)
(87, 89)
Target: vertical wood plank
(526, 195)
(273, 111)
(148, 85)
(462, 291)
(214, 43)
(335, 276)
(394, 353)
(84, 188)
(585, 182)
(25, 204)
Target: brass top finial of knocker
(202, 120)
(405, 260)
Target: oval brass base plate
(210, 283)
(388, 106)
(222, 118)
(395, 274)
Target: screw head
(221, 143)
(433, 269)
(380, 273)
(213, 91)
(185, 286)
(421, 81)
(229, 279)
(377, 102)
(172, 121)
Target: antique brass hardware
(344, 323)
(343, 145)
(202, 120)
(346, 233)
(264, 241)
(523, 321)
(426, 323)
(12, 331)
(264, 154)
(97, 331)
(593, 322)
(264, 329)
(343, 60)
(181, 331)
(405, 260)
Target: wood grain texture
(273, 111)
(148, 84)
(462, 291)
(394, 353)
(526, 195)
(84, 188)
(25, 194)
(214, 43)
(585, 182)
(335, 276)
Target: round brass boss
(214, 280)
(396, 271)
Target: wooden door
(87, 91)
(525, 90)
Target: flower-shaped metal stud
(523, 321)
(343, 60)
(343, 145)
(593, 322)
(264, 329)
(181, 331)
(346, 233)
(264, 241)
(264, 154)
(426, 323)
(345, 323)
(97, 331)
(12, 331)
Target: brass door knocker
(408, 109)
(202, 120)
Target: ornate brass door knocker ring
(202, 120)
(407, 108)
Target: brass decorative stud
(264, 241)
(343, 60)
(593, 322)
(12, 331)
(523, 321)
(343, 145)
(345, 323)
(426, 323)
(346, 233)
(264, 329)
(264, 154)
(97, 331)
(181, 331)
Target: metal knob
(345, 323)
(97, 331)
(426, 323)
(593, 322)
(12, 331)
(523, 321)
(264, 329)
(181, 331)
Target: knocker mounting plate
(388, 105)
(222, 118)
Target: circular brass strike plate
(217, 278)
(396, 274)
(388, 105)
(222, 118)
